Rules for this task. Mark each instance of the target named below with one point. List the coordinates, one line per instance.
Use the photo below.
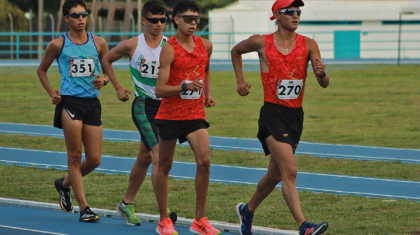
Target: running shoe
(127, 212)
(172, 215)
(65, 196)
(86, 215)
(245, 222)
(312, 229)
(166, 227)
(203, 227)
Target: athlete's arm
(99, 82)
(208, 100)
(167, 56)
(253, 43)
(317, 65)
(52, 52)
(123, 48)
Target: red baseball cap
(278, 4)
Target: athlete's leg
(166, 157)
(283, 154)
(266, 185)
(92, 141)
(139, 171)
(199, 142)
(73, 136)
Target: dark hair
(69, 4)
(183, 6)
(155, 7)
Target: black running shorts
(283, 123)
(143, 112)
(87, 110)
(174, 129)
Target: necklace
(286, 47)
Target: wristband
(323, 76)
(105, 81)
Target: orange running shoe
(203, 227)
(166, 227)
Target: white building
(348, 29)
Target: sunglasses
(188, 19)
(76, 15)
(156, 20)
(290, 12)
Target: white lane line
(236, 138)
(237, 182)
(218, 165)
(32, 230)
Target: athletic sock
(124, 204)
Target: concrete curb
(184, 222)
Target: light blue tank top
(78, 63)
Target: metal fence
(333, 45)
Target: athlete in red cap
(284, 57)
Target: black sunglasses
(76, 15)
(188, 18)
(156, 20)
(290, 12)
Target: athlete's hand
(195, 85)
(209, 101)
(98, 82)
(122, 94)
(56, 98)
(243, 88)
(319, 67)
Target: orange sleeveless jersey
(186, 66)
(292, 66)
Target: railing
(373, 44)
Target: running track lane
(315, 182)
(226, 143)
(29, 221)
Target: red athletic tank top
(284, 84)
(185, 68)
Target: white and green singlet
(144, 68)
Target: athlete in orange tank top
(292, 66)
(185, 68)
(184, 86)
(284, 57)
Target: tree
(20, 23)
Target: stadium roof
(324, 10)
(413, 8)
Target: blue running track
(29, 221)
(226, 143)
(315, 182)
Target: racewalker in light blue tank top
(78, 64)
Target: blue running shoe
(312, 229)
(245, 222)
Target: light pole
(52, 26)
(30, 32)
(138, 16)
(11, 35)
(40, 26)
(133, 24)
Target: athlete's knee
(144, 159)
(203, 164)
(93, 163)
(290, 172)
(165, 166)
(274, 178)
(74, 157)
